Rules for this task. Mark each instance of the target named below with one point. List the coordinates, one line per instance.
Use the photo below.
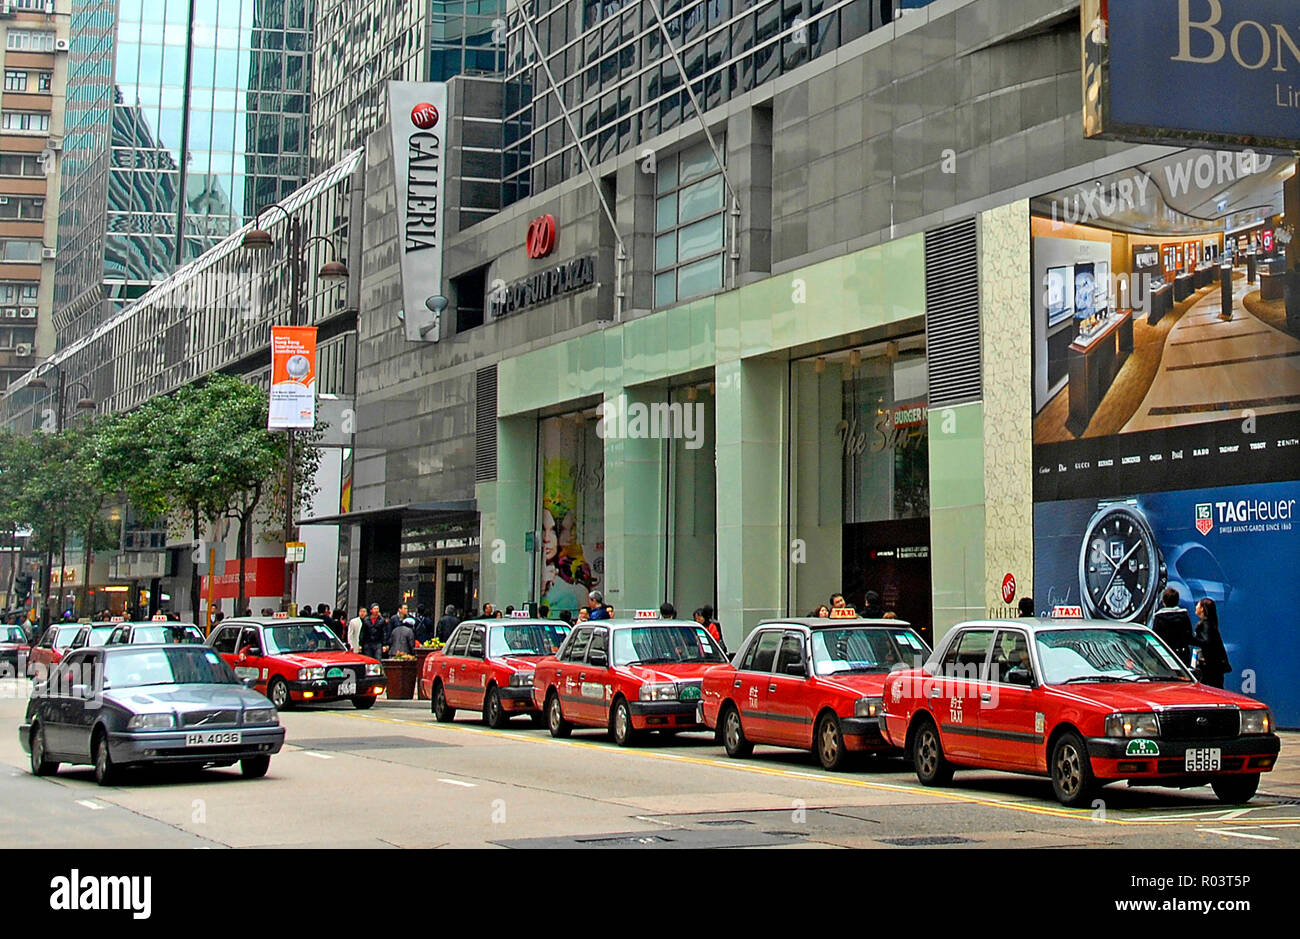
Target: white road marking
(1229, 833)
(319, 756)
(457, 782)
(94, 806)
(656, 821)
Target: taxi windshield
(529, 639)
(1103, 655)
(300, 637)
(664, 645)
(166, 666)
(63, 637)
(863, 649)
(12, 634)
(99, 635)
(166, 633)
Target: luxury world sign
(1199, 72)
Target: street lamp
(84, 403)
(332, 272)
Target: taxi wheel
(441, 712)
(494, 715)
(1234, 790)
(105, 771)
(829, 743)
(932, 767)
(278, 692)
(255, 767)
(40, 765)
(620, 725)
(733, 735)
(555, 721)
(363, 702)
(1072, 779)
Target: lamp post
(84, 403)
(332, 272)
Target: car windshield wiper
(1082, 678)
(1159, 678)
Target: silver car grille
(216, 718)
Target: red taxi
(295, 660)
(13, 650)
(487, 666)
(627, 675)
(54, 644)
(809, 684)
(1082, 702)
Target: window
(965, 657)
(26, 207)
(791, 654)
(15, 80)
(21, 164)
(689, 225)
(29, 40)
(44, 81)
(225, 641)
(577, 650)
(15, 292)
(26, 120)
(13, 249)
(475, 650)
(1011, 651)
(762, 653)
(249, 640)
(599, 645)
(459, 641)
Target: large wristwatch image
(1121, 567)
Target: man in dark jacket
(447, 625)
(1172, 624)
(373, 630)
(402, 613)
(401, 641)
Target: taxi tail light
(1133, 766)
(1262, 762)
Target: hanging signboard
(293, 378)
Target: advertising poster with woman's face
(572, 513)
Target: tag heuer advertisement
(1236, 545)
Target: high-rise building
(33, 44)
(187, 116)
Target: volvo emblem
(540, 240)
(1202, 721)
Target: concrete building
(34, 43)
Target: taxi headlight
(1256, 721)
(261, 716)
(1144, 724)
(665, 691)
(521, 680)
(374, 670)
(311, 674)
(868, 707)
(151, 722)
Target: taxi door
(247, 664)
(461, 686)
(789, 706)
(446, 667)
(593, 678)
(955, 698)
(749, 688)
(473, 670)
(1011, 731)
(568, 682)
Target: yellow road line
(1088, 815)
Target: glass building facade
(186, 118)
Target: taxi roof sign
(519, 614)
(280, 615)
(158, 618)
(1067, 612)
(844, 612)
(646, 614)
(117, 619)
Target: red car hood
(521, 663)
(312, 659)
(1146, 696)
(685, 671)
(866, 684)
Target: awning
(463, 510)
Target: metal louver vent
(485, 425)
(952, 315)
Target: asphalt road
(392, 777)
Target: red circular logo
(424, 116)
(540, 240)
(1008, 588)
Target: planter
(400, 676)
(420, 656)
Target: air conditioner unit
(48, 253)
(27, 313)
(10, 313)
(54, 143)
(60, 45)
(23, 349)
(4, 200)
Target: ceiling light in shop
(819, 365)
(692, 393)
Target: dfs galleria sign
(418, 115)
(1194, 72)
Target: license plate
(1203, 760)
(348, 686)
(213, 738)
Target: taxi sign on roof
(844, 612)
(158, 618)
(1067, 612)
(519, 614)
(280, 615)
(646, 614)
(117, 619)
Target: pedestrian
(1212, 656)
(306, 611)
(667, 610)
(401, 641)
(584, 614)
(248, 611)
(1172, 624)
(339, 621)
(704, 616)
(374, 630)
(447, 625)
(1026, 607)
(566, 617)
(544, 611)
(354, 632)
(266, 611)
(822, 612)
(837, 601)
(510, 609)
(596, 606)
(488, 611)
(872, 607)
(424, 628)
(402, 613)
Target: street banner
(293, 378)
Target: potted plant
(422, 651)
(400, 672)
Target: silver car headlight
(374, 670)
(521, 680)
(151, 722)
(1141, 724)
(658, 691)
(1256, 721)
(261, 716)
(868, 707)
(311, 674)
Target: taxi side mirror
(797, 668)
(599, 660)
(1020, 676)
